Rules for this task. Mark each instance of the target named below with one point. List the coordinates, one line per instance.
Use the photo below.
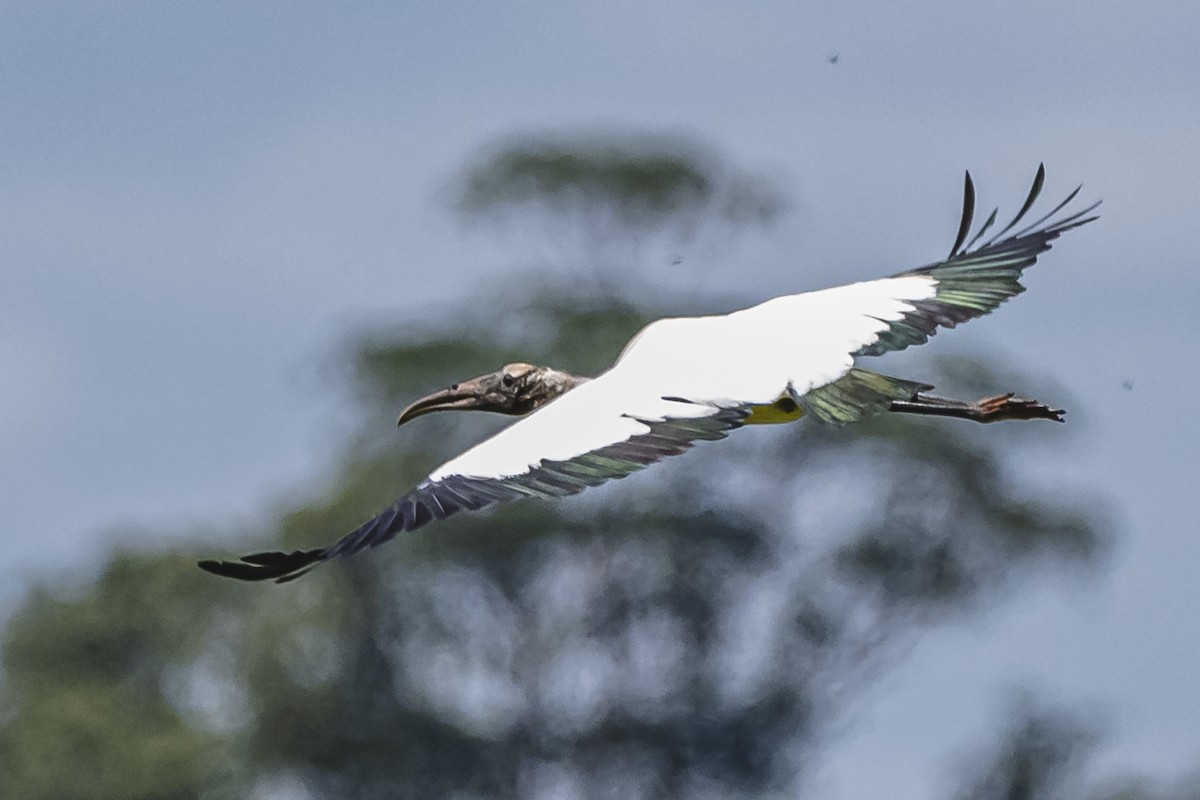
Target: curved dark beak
(466, 396)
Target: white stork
(684, 380)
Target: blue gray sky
(200, 199)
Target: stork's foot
(1009, 406)
(986, 409)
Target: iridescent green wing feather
(973, 282)
(857, 394)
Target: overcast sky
(198, 200)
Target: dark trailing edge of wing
(972, 283)
(436, 500)
(424, 504)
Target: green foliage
(646, 183)
(1037, 757)
(1044, 751)
(947, 524)
(94, 715)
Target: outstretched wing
(973, 282)
(508, 467)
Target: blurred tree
(692, 632)
(603, 202)
(94, 683)
(648, 183)
(1040, 756)
(1151, 789)
(1046, 750)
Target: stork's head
(513, 389)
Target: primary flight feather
(684, 380)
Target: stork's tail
(277, 566)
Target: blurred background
(236, 238)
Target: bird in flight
(685, 380)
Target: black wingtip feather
(991, 220)
(1039, 180)
(968, 214)
(277, 566)
(1042, 219)
(1034, 191)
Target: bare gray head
(513, 389)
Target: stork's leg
(985, 409)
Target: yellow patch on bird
(784, 409)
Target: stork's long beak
(466, 396)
